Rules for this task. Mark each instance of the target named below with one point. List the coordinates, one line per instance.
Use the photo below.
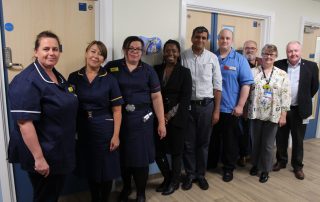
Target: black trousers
(225, 140)
(100, 191)
(139, 175)
(244, 137)
(171, 144)
(298, 129)
(197, 141)
(46, 189)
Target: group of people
(112, 121)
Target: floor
(281, 186)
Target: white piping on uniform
(34, 112)
(41, 74)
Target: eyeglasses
(268, 54)
(132, 50)
(250, 48)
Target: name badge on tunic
(114, 69)
(229, 68)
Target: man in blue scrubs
(236, 81)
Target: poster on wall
(152, 45)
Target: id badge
(267, 94)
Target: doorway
(74, 23)
(311, 51)
(244, 28)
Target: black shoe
(163, 185)
(264, 177)
(171, 188)
(227, 176)
(124, 194)
(141, 199)
(203, 184)
(187, 184)
(254, 171)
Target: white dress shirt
(294, 77)
(205, 72)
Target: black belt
(203, 102)
(94, 113)
(135, 107)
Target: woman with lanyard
(176, 87)
(268, 104)
(99, 119)
(44, 108)
(140, 88)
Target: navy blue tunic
(95, 130)
(137, 146)
(52, 108)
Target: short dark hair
(101, 46)
(45, 34)
(176, 43)
(200, 29)
(129, 40)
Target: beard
(250, 57)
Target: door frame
(6, 172)
(104, 24)
(312, 22)
(103, 32)
(267, 27)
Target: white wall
(144, 18)
(162, 18)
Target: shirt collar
(231, 54)
(101, 72)
(44, 76)
(123, 62)
(293, 66)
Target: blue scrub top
(52, 108)
(101, 94)
(236, 72)
(136, 86)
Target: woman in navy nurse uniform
(99, 119)
(140, 88)
(43, 107)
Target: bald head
(225, 39)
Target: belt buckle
(130, 108)
(89, 114)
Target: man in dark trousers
(250, 51)
(304, 80)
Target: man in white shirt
(304, 80)
(205, 106)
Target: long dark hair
(177, 44)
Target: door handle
(8, 60)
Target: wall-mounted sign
(8, 27)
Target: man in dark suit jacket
(304, 80)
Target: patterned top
(267, 101)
